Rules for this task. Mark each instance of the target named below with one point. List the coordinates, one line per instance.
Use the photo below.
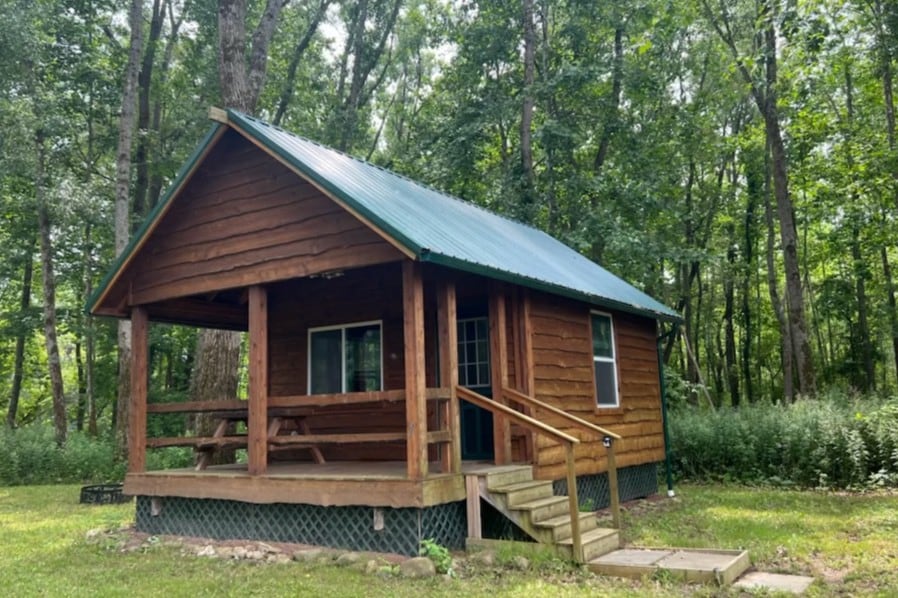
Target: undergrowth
(823, 443)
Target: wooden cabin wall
(244, 219)
(563, 372)
(361, 295)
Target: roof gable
(424, 223)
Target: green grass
(849, 542)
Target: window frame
(342, 328)
(489, 381)
(612, 360)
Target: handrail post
(574, 504)
(614, 495)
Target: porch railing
(566, 440)
(284, 407)
(608, 438)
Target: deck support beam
(415, 383)
(499, 371)
(137, 406)
(257, 414)
(447, 318)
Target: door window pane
(473, 353)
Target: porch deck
(336, 483)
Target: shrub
(811, 443)
(30, 456)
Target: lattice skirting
(361, 528)
(633, 482)
(354, 528)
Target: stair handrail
(608, 438)
(539, 427)
(520, 397)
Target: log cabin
(418, 367)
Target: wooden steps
(533, 506)
(535, 509)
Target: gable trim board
(422, 223)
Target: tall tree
(123, 212)
(763, 82)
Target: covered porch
(398, 445)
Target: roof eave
(541, 285)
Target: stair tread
(560, 520)
(594, 534)
(508, 488)
(540, 502)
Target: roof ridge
(397, 175)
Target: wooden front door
(474, 373)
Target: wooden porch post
(499, 373)
(137, 408)
(415, 383)
(257, 420)
(450, 458)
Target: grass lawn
(848, 542)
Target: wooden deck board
(339, 483)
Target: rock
(371, 567)
(94, 533)
(520, 563)
(255, 555)
(225, 552)
(484, 557)
(239, 552)
(278, 558)
(207, 550)
(420, 566)
(268, 548)
(311, 555)
(348, 558)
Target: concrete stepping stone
(776, 582)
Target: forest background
(735, 159)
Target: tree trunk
(215, 376)
(54, 363)
(885, 69)
(527, 106)
(859, 266)
(801, 348)
(293, 67)
(241, 83)
(754, 187)
(732, 368)
(122, 215)
(144, 85)
(21, 337)
(772, 286)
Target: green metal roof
(444, 230)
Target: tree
(122, 210)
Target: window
(345, 358)
(603, 360)
(474, 352)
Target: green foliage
(824, 443)
(32, 457)
(437, 553)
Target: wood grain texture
(563, 377)
(245, 219)
(499, 370)
(137, 408)
(447, 333)
(257, 419)
(415, 404)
